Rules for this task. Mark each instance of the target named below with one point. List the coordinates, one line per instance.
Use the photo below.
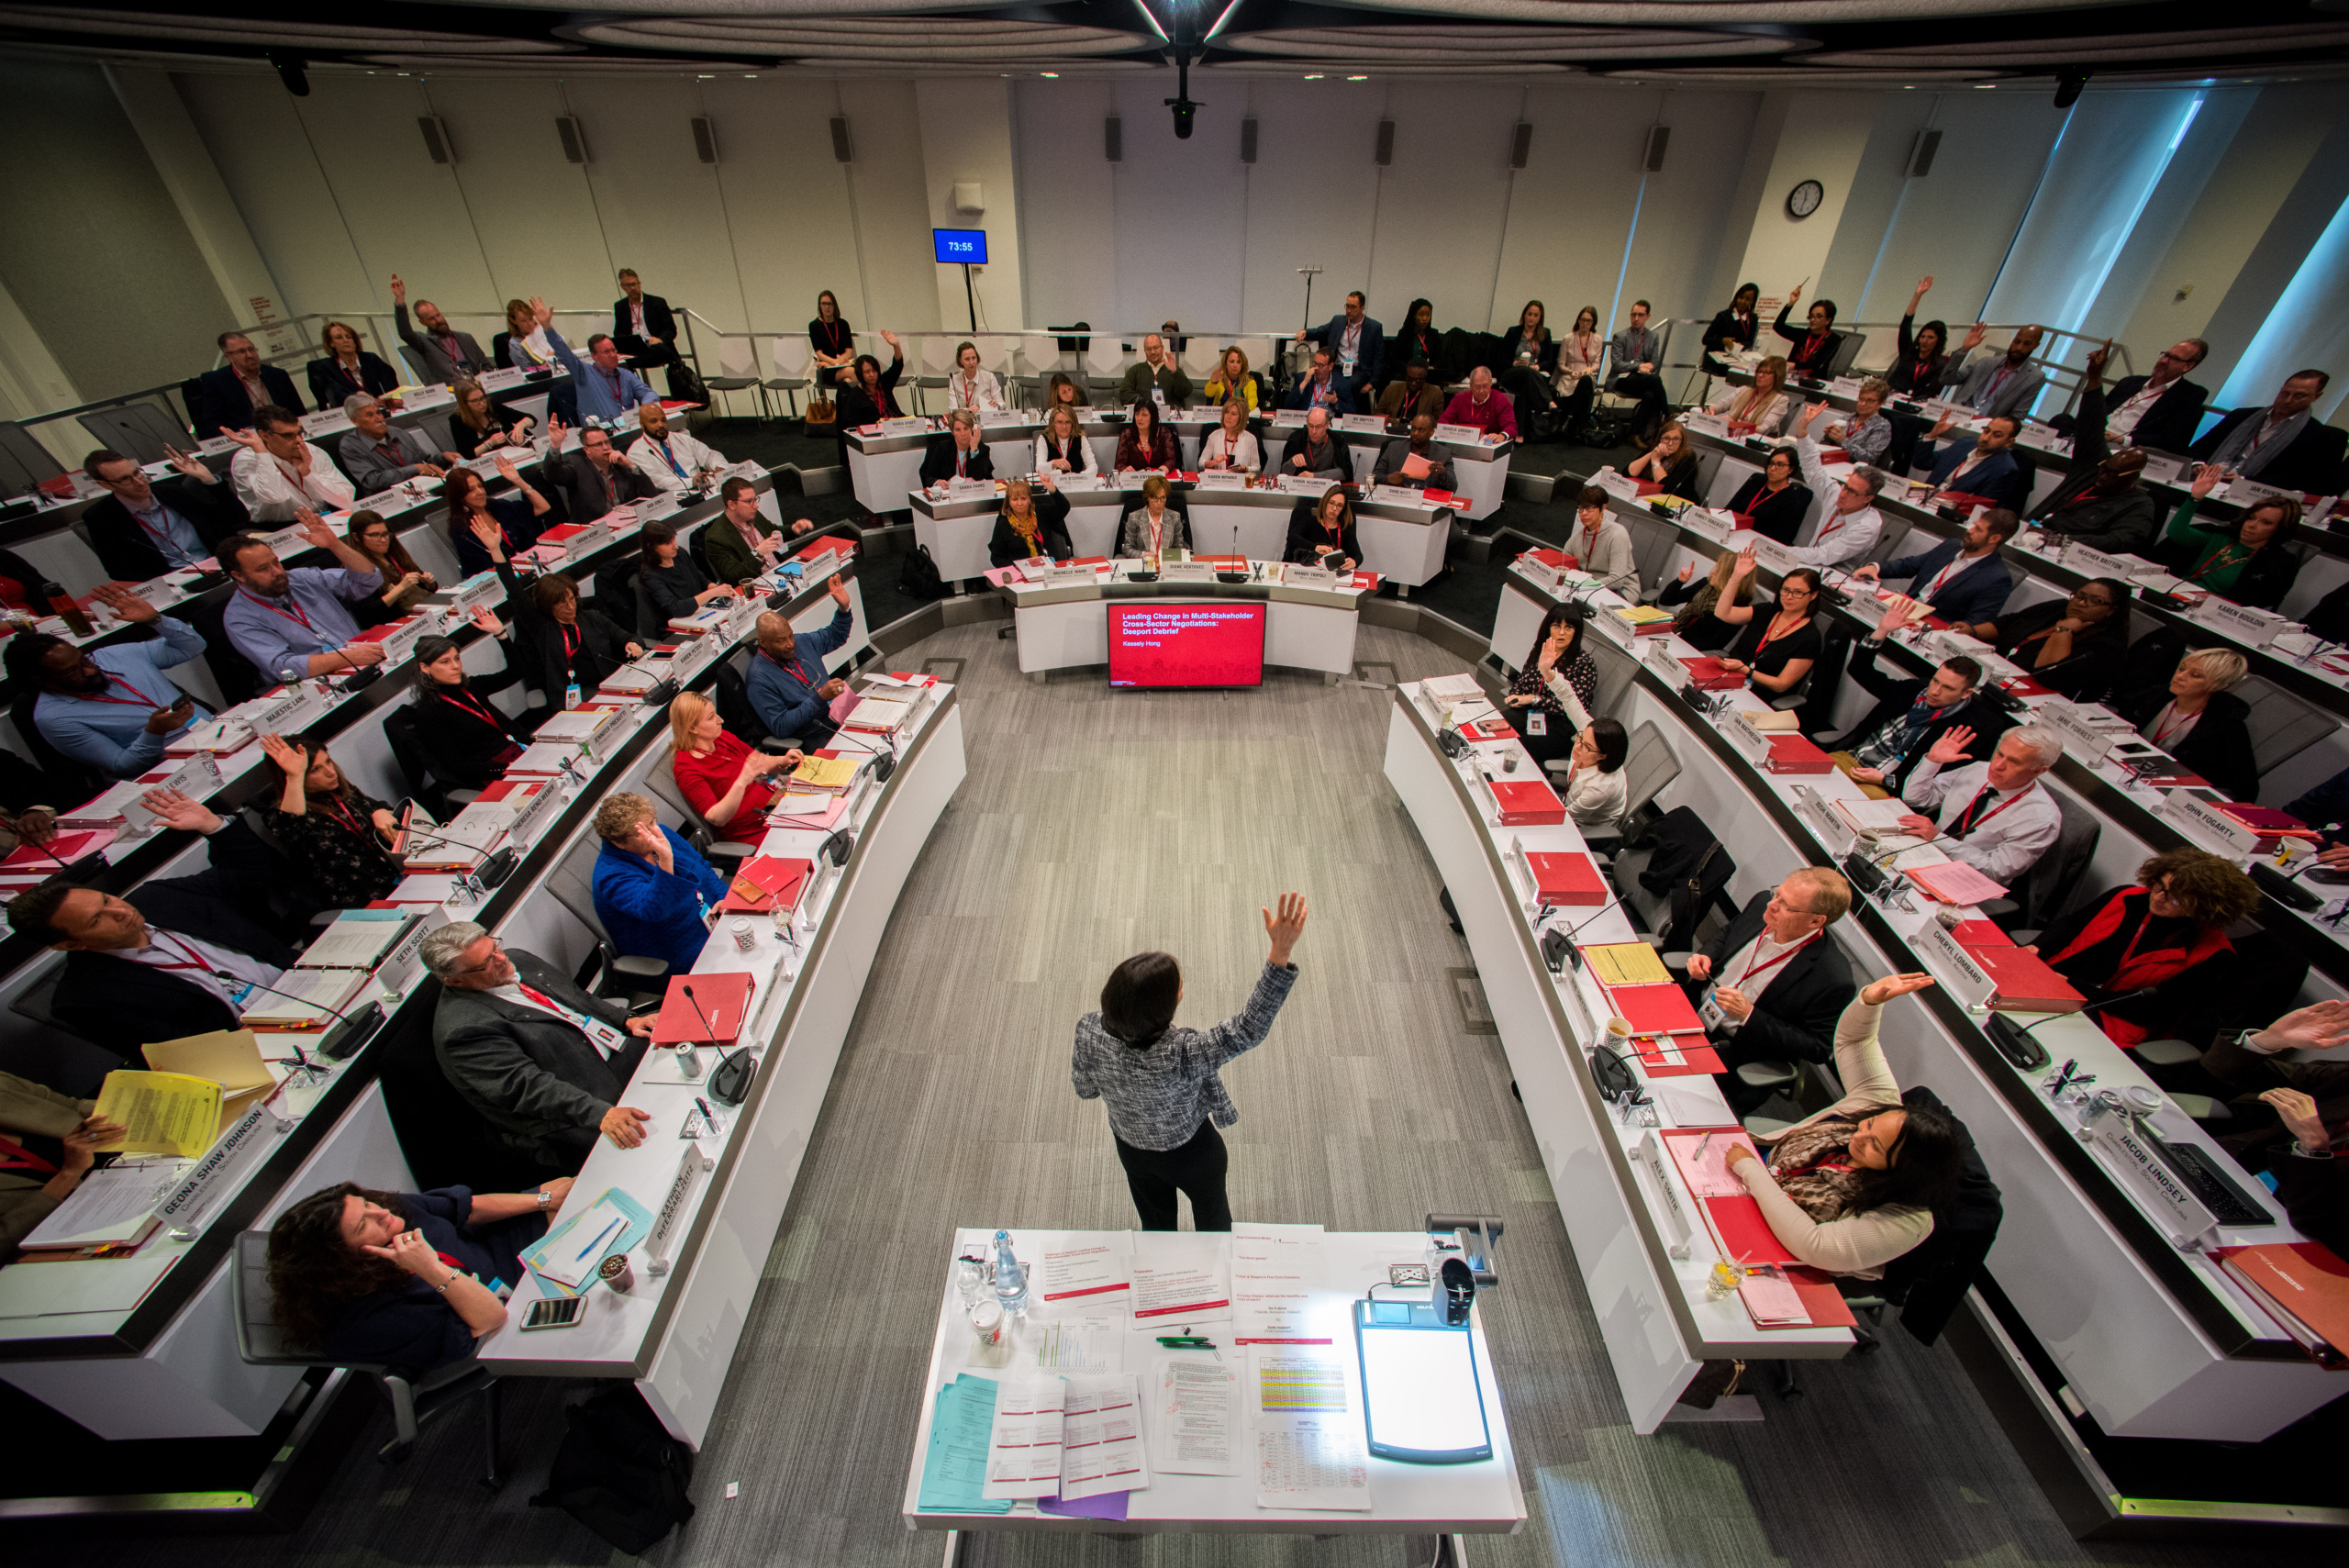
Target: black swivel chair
(407, 754)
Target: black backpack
(619, 1472)
(919, 578)
(1689, 868)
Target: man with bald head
(789, 688)
(1312, 449)
(1157, 378)
(377, 454)
(2002, 385)
(2162, 409)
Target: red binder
(1972, 934)
(2303, 1287)
(713, 1015)
(2025, 984)
(1553, 558)
(1567, 878)
(1745, 1236)
(1708, 675)
(1825, 1304)
(1791, 753)
(1527, 805)
(1694, 1058)
(764, 885)
(2272, 826)
(1661, 1008)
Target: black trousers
(1196, 1168)
(1648, 388)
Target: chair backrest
(2282, 726)
(648, 621)
(1840, 362)
(1106, 356)
(2046, 892)
(407, 755)
(140, 430)
(23, 461)
(790, 354)
(738, 356)
(699, 555)
(731, 693)
(572, 884)
(497, 349)
(938, 352)
(1199, 356)
(68, 776)
(260, 1342)
(1648, 767)
(414, 363)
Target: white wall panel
(1309, 202)
(1570, 208)
(1442, 206)
(787, 202)
(1180, 208)
(534, 216)
(1068, 225)
(1683, 229)
(1955, 223)
(659, 205)
(892, 213)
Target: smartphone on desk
(554, 1312)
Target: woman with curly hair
(2167, 936)
(402, 1279)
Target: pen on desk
(598, 1241)
(2070, 1067)
(709, 1120)
(1186, 1343)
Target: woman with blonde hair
(1717, 607)
(723, 779)
(1232, 444)
(1765, 405)
(2196, 716)
(1233, 380)
(1032, 526)
(1061, 446)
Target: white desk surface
(1483, 1497)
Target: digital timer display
(965, 245)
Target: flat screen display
(1420, 1395)
(1186, 645)
(960, 245)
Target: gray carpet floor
(1094, 825)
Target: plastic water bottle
(1010, 1276)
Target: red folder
(1528, 804)
(64, 847)
(1972, 934)
(2272, 826)
(2025, 984)
(1708, 675)
(1660, 1008)
(1825, 1304)
(378, 633)
(1791, 753)
(1646, 488)
(2306, 1284)
(1745, 1236)
(1567, 878)
(767, 883)
(1694, 1058)
(1488, 730)
(1553, 558)
(713, 1015)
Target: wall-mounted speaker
(970, 196)
(574, 138)
(705, 138)
(840, 138)
(1113, 139)
(1386, 153)
(1248, 140)
(1520, 145)
(1921, 155)
(437, 145)
(1659, 138)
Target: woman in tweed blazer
(1164, 1097)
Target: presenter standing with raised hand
(1164, 1095)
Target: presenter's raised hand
(1879, 992)
(1284, 928)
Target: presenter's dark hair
(1570, 614)
(1614, 745)
(313, 1270)
(1826, 304)
(650, 538)
(1927, 1161)
(1138, 1004)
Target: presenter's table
(1481, 1498)
(1063, 626)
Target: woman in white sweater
(1765, 405)
(1597, 791)
(1853, 1187)
(1231, 444)
(970, 387)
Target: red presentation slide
(1186, 645)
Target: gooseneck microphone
(351, 1030)
(2014, 1041)
(492, 870)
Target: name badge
(1537, 723)
(1710, 1011)
(602, 1035)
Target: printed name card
(1285, 417)
(1623, 486)
(2255, 628)
(911, 425)
(1468, 433)
(1222, 479)
(2082, 738)
(1402, 494)
(993, 417)
(1952, 965)
(1769, 552)
(1368, 424)
(2080, 557)
(2204, 821)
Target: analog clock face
(1804, 199)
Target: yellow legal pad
(825, 772)
(164, 1113)
(1626, 964)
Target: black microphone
(687, 987)
(493, 871)
(1566, 952)
(2014, 1041)
(1228, 575)
(362, 675)
(13, 825)
(349, 1032)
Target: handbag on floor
(618, 1471)
(823, 415)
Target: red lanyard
(793, 668)
(1753, 969)
(14, 1156)
(343, 813)
(1769, 635)
(570, 640)
(2178, 722)
(470, 704)
(1965, 824)
(1810, 347)
(193, 961)
(136, 699)
(295, 613)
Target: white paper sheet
(1197, 1417)
(107, 1203)
(1312, 1462)
(1276, 1270)
(1086, 1275)
(1079, 1344)
(1101, 1441)
(1024, 1443)
(1181, 1282)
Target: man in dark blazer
(959, 453)
(1772, 985)
(543, 1061)
(1961, 580)
(142, 530)
(225, 398)
(596, 478)
(2163, 418)
(1910, 714)
(1357, 346)
(174, 958)
(1990, 470)
(642, 325)
(2281, 444)
(443, 353)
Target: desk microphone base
(350, 1032)
(2014, 1042)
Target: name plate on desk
(2258, 628)
(1933, 408)
(908, 424)
(960, 489)
(1067, 575)
(1399, 494)
(1186, 571)
(2205, 822)
(670, 1223)
(1750, 742)
(1305, 485)
(210, 1175)
(1285, 417)
(1668, 668)
(501, 380)
(2081, 558)
(1366, 424)
(1952, 965)
(1623, 486)
(1671, 1209)
(1707, 520)
(991, 416)
(1844, 386)
(1467, 433)
(2176, 1209)
(2083, 738)
(2160, 470)
(1705, 420)
(1769, 552)
(2243, 492)
(1308, 576)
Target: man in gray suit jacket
(2002, 385)
(542, 1060)
(444, 353)
(377, 454)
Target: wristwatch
(544, 1196)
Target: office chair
(416, 1397)
(1648, 767)
(407, 754)
(724, 858)
(731, 693)
(607, 972)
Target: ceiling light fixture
(1050, 75)
(1313, 75)
(1220, 20)
(1153, 21)
(1357, 78)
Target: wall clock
(1804, 199)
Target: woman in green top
(2246, 561)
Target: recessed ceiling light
(1052, 76)
(1313, 75)
(1357, 78)
(1986, 86)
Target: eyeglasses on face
(497, 952)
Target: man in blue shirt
(788, 687)
(292, 623)
(654, 893)
(607, 388)
(112, 709)
(143, 530)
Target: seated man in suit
(641, 325)
(1911, 714)
(2160, 409)
(1395, 464)
(1634, 358)
(1994, 816)
(1771, 986)
(141, 529)
(1482, 404)
(1986, 468)
(654, 892)
(1156, 377)
(789, 688)
(1411, 396)
(594, 479)
(177, 957)
(378, 454)
(1357, 347)
(2281, 444)
(1321, 387)
(228, 398)
(445, 354)
(1312, 448)
(543, 1061)
(669, 458)
(1960, 580)
(2001, 384)
(739, 542)
(959, 453)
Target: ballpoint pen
(707, 1119)
(2064, 1076)
(598, 1241)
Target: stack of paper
(1071, 1437)
(1198, 1407)
(823, 770)
(954, 1466)
(312, 998)
(1626, 964)
(1310, 1451)
(572, 1250)
(358, 940)
(878, 715)
(230, 1058)
(161, 1113)
(114, 1207)
(1276, 1270)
